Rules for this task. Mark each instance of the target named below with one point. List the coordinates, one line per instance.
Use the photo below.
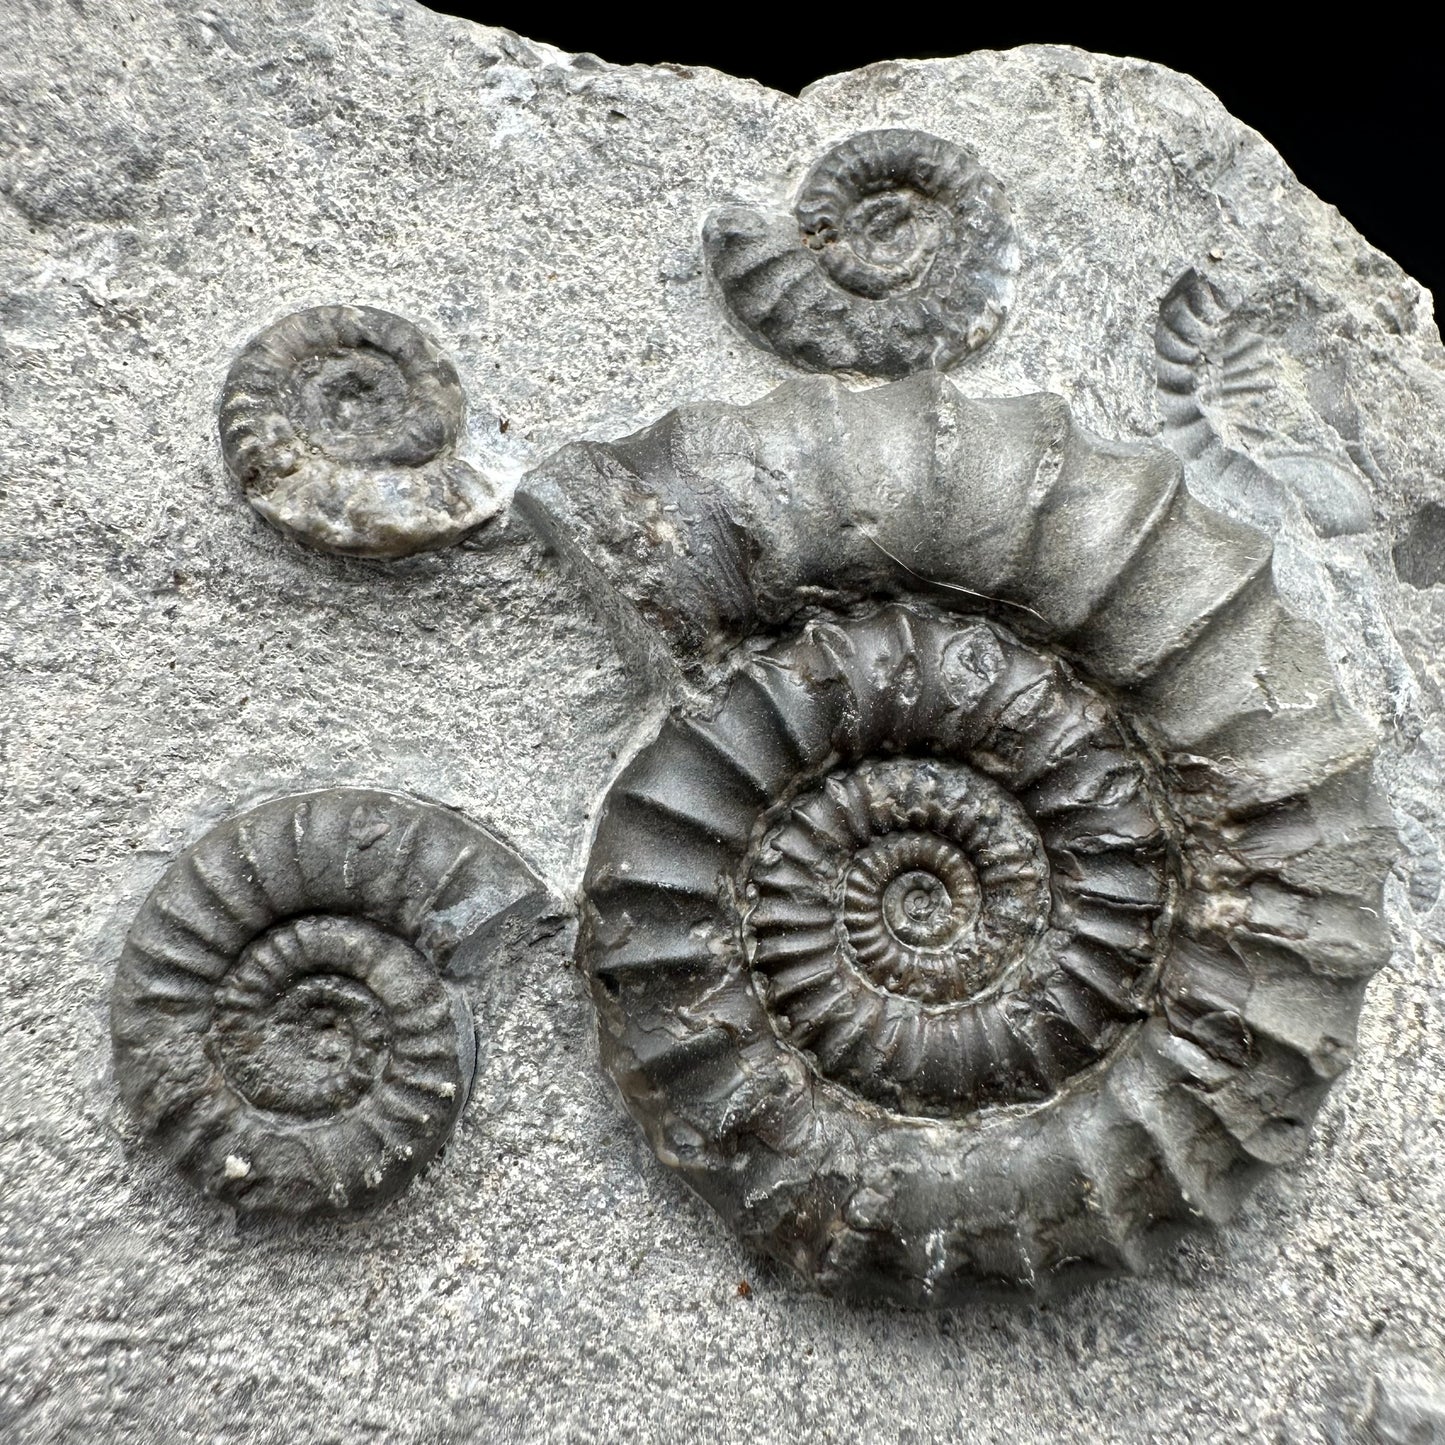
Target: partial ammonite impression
(1003, 900)
(287, 1017)
(1213, 372)
(340, 423)
(900, 255)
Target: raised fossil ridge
(1211, 369)
(288, 1015)
(1003, 899)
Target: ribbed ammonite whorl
(340, 424)
(900, 255)
(1004, 897)
(951, 881)
(287, 1019)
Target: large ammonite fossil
(900, 254)
(1012, 906)
(287, 1017)
(340, 423)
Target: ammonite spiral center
(350, 394)
(938, 879)
(296, 1031)
(975, 918)
(315, 1050)
(882, 244)
(922, 910)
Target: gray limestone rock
(172, 660)
(1400, 1402)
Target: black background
(1355, 107)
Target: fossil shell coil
(950, 859)
(286, 1016)
(1003, 902)
(340, 424)
(900, 255)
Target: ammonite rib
(1012, 907)
(340, 424)
(900, 255)
(829, 495)
(286, 1016)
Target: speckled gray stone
(170, 659)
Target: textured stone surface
(169, 658)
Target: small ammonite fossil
(1000, 898)
(340, 423)
(287, 1017)
(1212, 371)
(900, 255)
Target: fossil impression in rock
(900, 254)
(1210, 368)
(1000, 899)
(340, 424)
(287, 1017)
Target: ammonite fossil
(900, 254)
(1211, 369)
(340, 424)
(1004, 900)
(287, 1018)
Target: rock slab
(170, 659)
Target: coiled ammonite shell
(900, 255)
(286, 1015)
(340, 424)
(1004, 901)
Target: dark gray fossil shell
(900, 255)
(286, 1016)
(1013, 913)
(1211, 368)
(340, 423)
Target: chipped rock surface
(170, 658)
